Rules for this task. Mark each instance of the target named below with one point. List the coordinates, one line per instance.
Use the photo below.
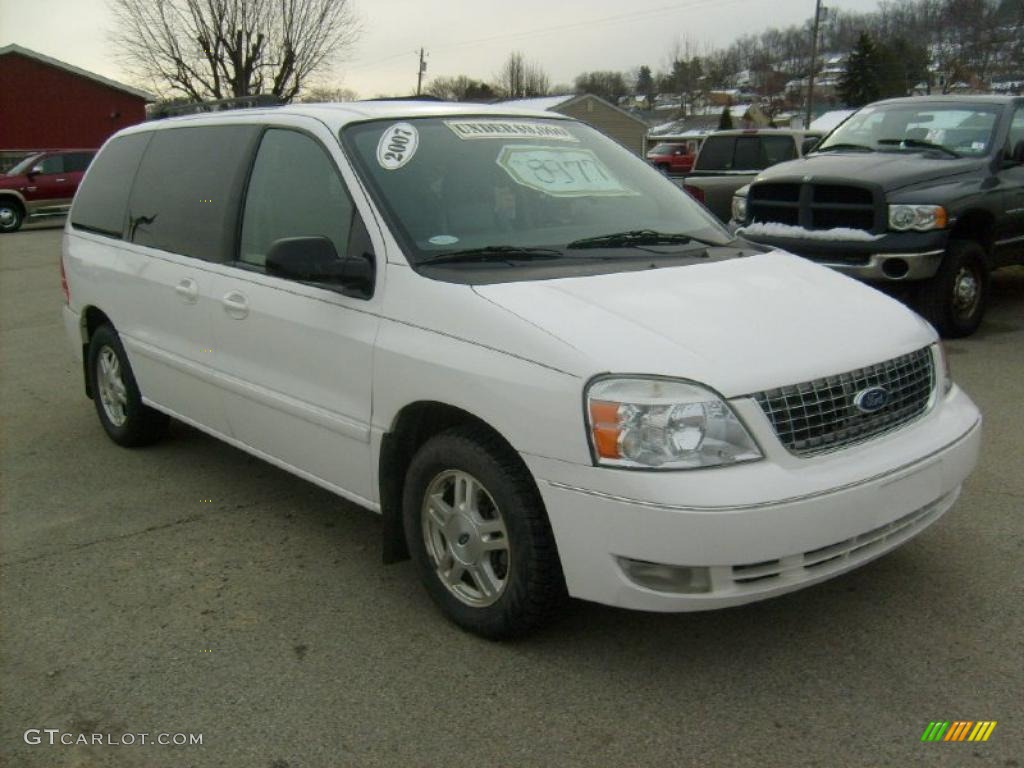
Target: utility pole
(814, 64)
(419, 74)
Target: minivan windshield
(520, 188)
(953, 129)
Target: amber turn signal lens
(604, 418)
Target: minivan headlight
(919, 217)
(652, 423)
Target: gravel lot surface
(189, 588)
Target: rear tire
(479, 536)
(11, 215)
(955, 299)
(126, 420)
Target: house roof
(548, 103)
(44, 59)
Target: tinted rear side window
(102, 199)
(716, 154)
(186, 194)
(77, 161)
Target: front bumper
(764, 528)
(893, 257)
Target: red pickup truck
(43, 184)
(674, 155)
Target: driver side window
(1016, 139)
(294, 191)
(51, 164)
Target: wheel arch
(977, 225)
(412, 426)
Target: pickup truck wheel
(479, 535)
(955, 299)
(118, 403)
(11, 215)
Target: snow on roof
(43, 58)
(830, 120)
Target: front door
(1011, 239)
(49, 188)
(297, 357)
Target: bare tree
(519, 78)
(323, 94)
(216, 49)
(460, 88)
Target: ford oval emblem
(871, 399)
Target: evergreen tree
(860, 82)
(725, 121)
(645, 85)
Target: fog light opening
(679, 579)
(895, 268)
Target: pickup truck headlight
(652, 423)
(739, 208)
(919, 217)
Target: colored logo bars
(959, 730)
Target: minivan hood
(739, 326)
(891, 170)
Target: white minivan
(550, 371)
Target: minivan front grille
(812, 205)
(830, 413)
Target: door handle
(61, 179)
(188, 290)
(235, 304)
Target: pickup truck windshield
(951, 130)
(515, 187)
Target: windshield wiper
(635, 238)
(918, 143)
(843, 145)
(493, 253)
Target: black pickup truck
(922, 196)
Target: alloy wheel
(466, 538)
(113, 394)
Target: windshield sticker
(397, 146)
(443, 240)
(561, 172)
(508, 129)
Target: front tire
(955, 299)
(126, 420)
(479, 535)
(11, 215)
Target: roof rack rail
(165, 109)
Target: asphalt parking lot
(189, 588)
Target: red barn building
(47, 104)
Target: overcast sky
(469, 37)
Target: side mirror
(809, 144)
(315, 259)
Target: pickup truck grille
(822, 415)
(813, 206)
